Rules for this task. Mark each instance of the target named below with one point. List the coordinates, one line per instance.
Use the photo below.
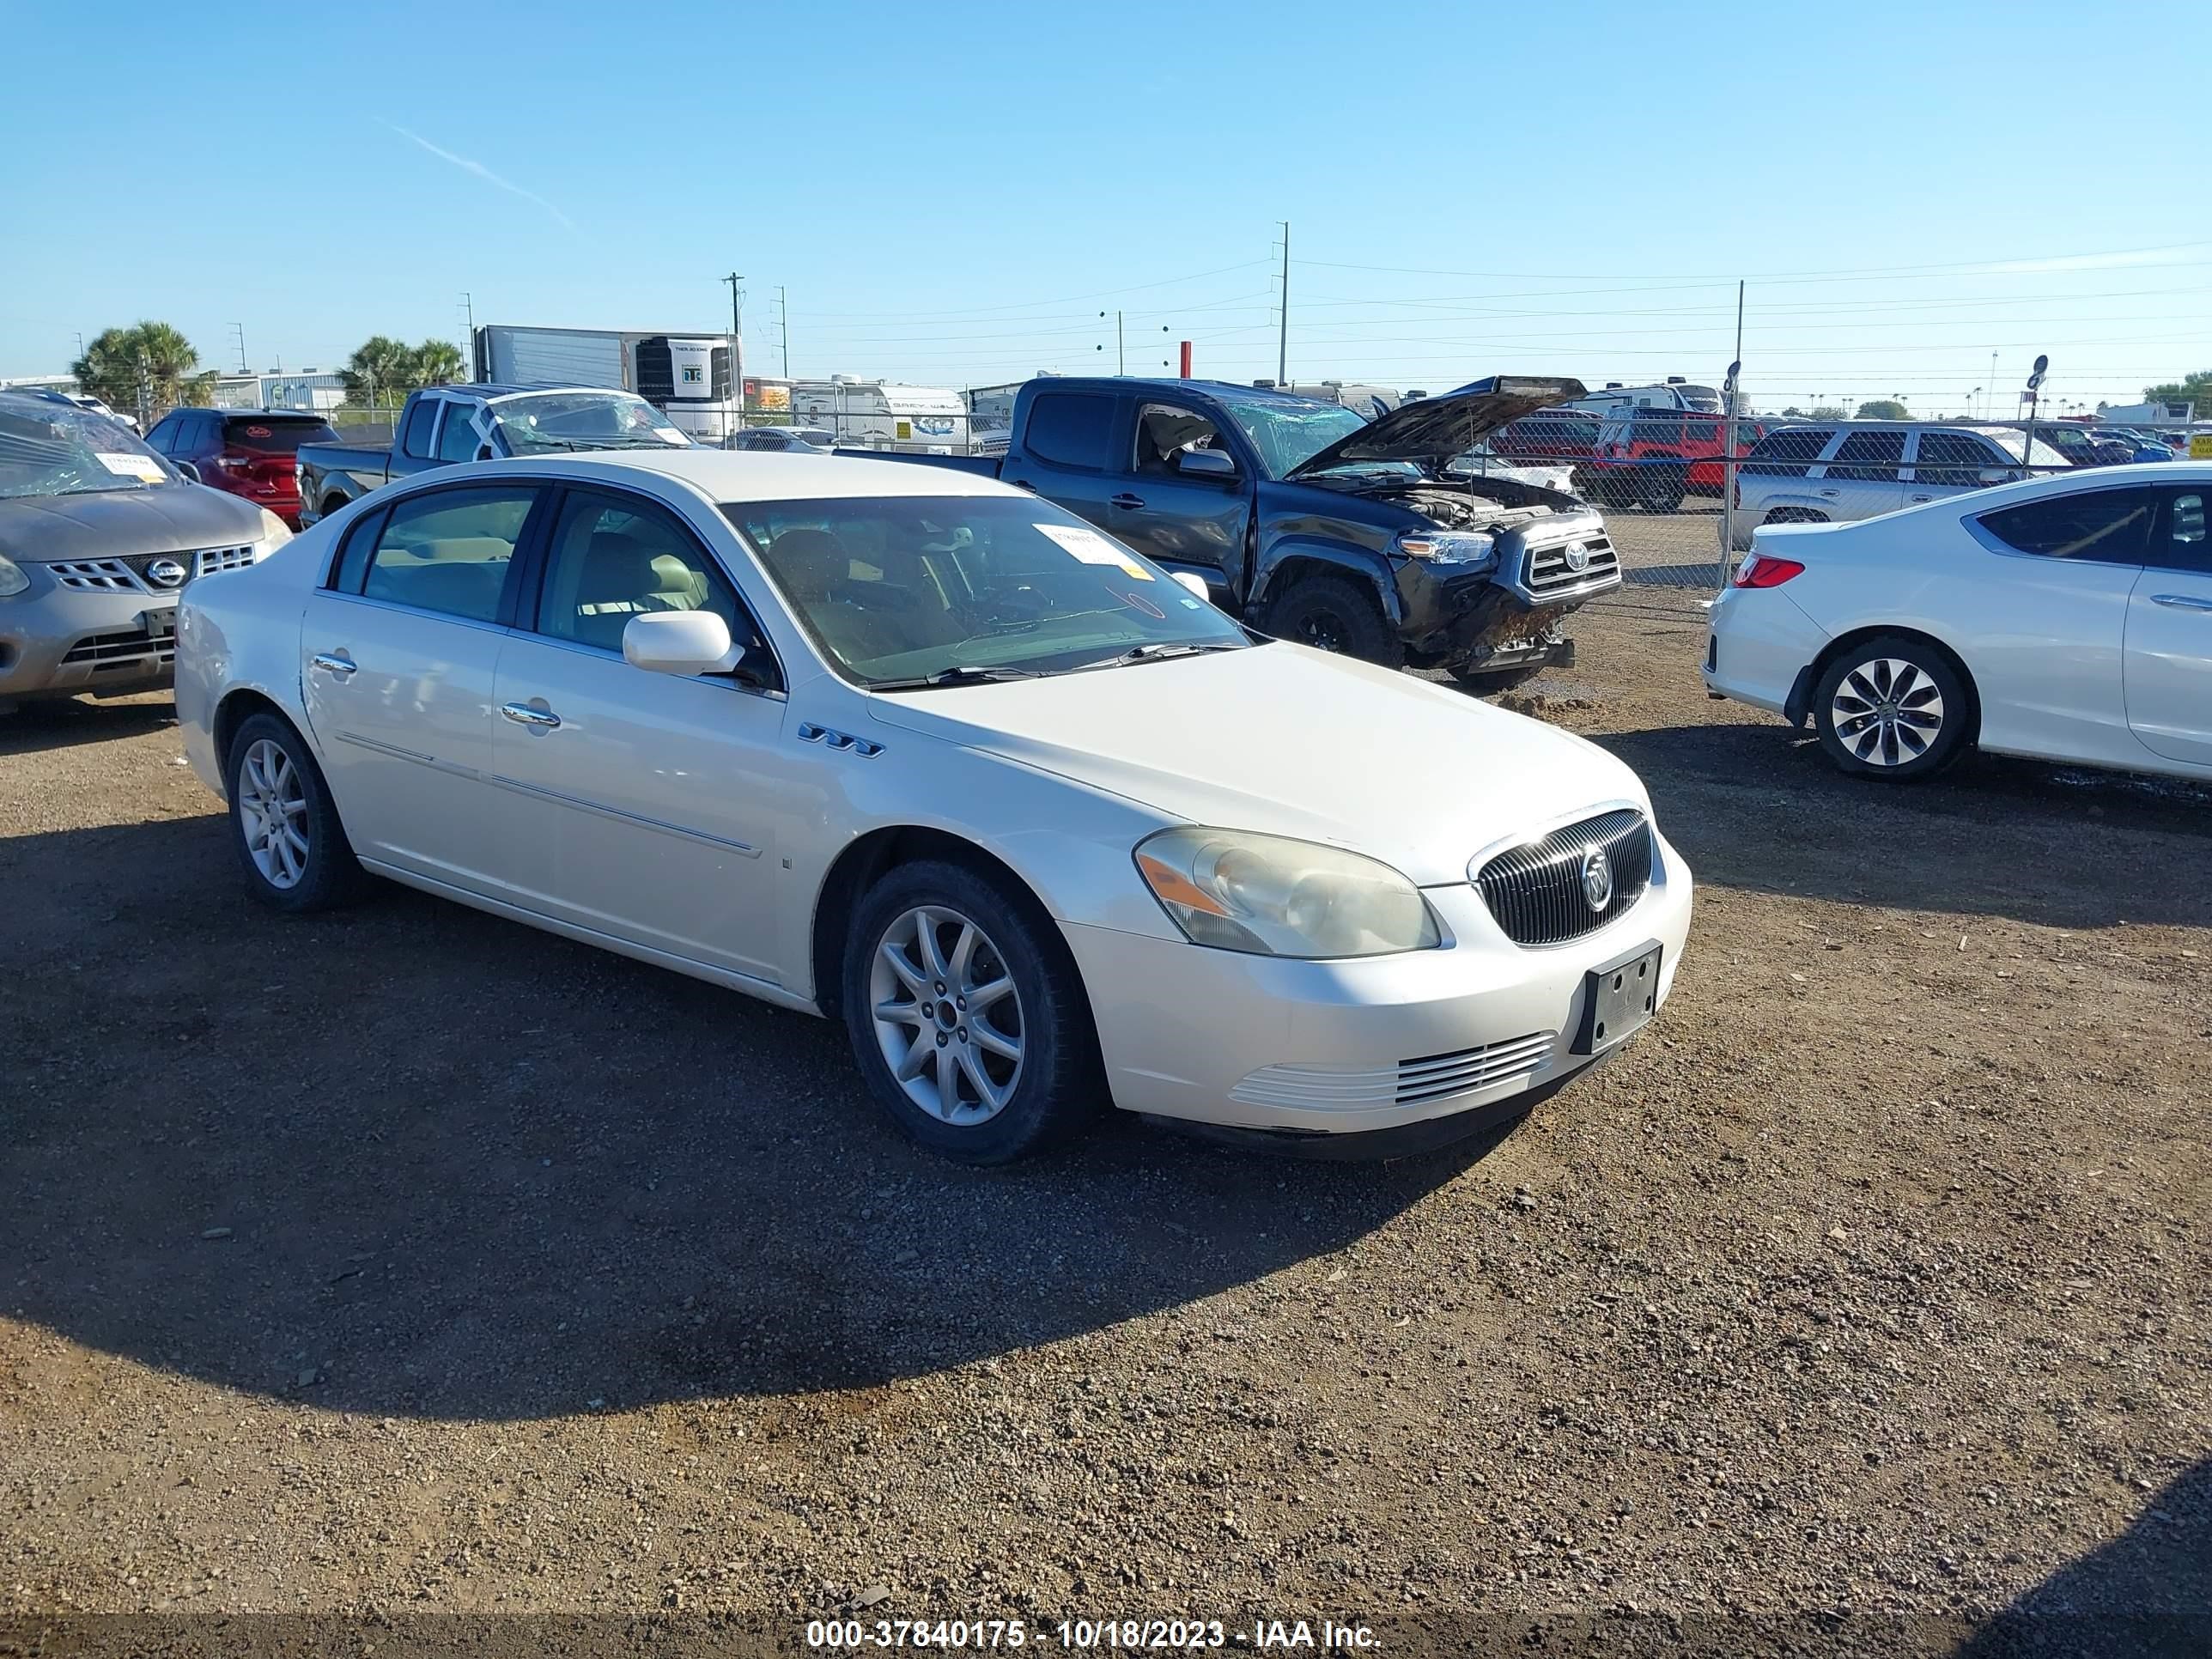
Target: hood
(1292, 742)
(119, 524)
(1431, 432)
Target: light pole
(1727, 466)
(2035, 387)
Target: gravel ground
(408, 1260)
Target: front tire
(1892, 707)
(1334, 614)
(967, 1017)
(284, 823)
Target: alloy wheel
(1321, 630)
(1886, 711)
(947, 1015)
(272, 809)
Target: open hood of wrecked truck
(1431, 432)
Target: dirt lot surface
(408, 1259)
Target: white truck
(694, 379)
(884, 414)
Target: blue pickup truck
(1313, 523)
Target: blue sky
(952, 194)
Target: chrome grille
(1548, 571)
(1409, 1083)
(1440, 1075)
(96, 576)
(1535, 889)
(212, 559)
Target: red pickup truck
(1654, 457)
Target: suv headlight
(12, 579)
(1461, 548)
(274, 532)
(1271, 896)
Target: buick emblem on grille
(166, 572)
(1597, 879)
(1577, 556)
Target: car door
(399, 650)
(1946, 464)
(1178, 520)
(642, 806)
(1069, 451)
(2043, 620)
(2169, 643)
(1866, 478)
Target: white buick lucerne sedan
(913, 750)
(2069, 618)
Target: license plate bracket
(159, 624)
(1618, 998)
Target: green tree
(151, 357)
(437, 363)
(2197, 388)
(383, 370)
(1883, 408)
(1827, 412)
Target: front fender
(1370, 567)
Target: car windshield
(54, 449)
(550, 421)
(1289, 431)
(897, 590)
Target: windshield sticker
(1091, 547)
(668, 435)
(142, 467)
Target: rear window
(1785, 454)
(266, 434)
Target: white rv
(913, 420)
(693, 378)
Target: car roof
(763, 475)
(2171, 473)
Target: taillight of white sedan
(918, 751)
(2068, 617)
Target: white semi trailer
(695, 379)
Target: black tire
(1334, 613)
(1894, 708)
(1488, 682)
(1662, 487)
(328, 873)
(1058, 1086)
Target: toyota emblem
(1597, 879)
(166, 572)
(1577, 558)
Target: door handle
(1022, 484)
(1830, 493)
(332, 663)
(2181, 602)
(543, 720)
(1126, 500)
(1922, 498)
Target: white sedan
(913, 750)
(2068, 618)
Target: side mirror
(1191, 581)
(680, 643)
(483, 452)
(1205, 464)
(189, 470)
(1997, 475)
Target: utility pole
(1283, 338)
(1120, 358)
(783, 317)
(468, 340)
(737, 317)
(238, 329)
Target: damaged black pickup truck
(1313, 523)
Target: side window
(2183, 547)
(1868, 457)
(164, 435)
(1785, 455)
(2111, 526)
(1701, 432)
(353, 557)
(1162, 431)
(415, 439)
(1070, 429)
(448, 550)
(613, 558)
(1953, 460)
(457, 439)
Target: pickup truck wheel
(335, 504)
(1334, 613)
(1664, 488)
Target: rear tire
(283, 823)
(1893, 708)
(1336, 614)
(985, 1081)
(1662, 487)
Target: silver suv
(1850, 469)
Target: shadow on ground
(63, 723)
(1754, 806)
(409, 1160)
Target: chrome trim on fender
(831, 738)
(744, 850)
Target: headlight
(1464, 549)
(12, 579)
(274, 532)
(1271, 896)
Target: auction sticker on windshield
(144, 467)
(1091, 547)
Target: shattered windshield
(553, 421)
(1289, 431)
(52, 449)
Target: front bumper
(60, 643)
(1300, 1050)
(1512, 614)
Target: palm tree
(435, 363)
(377, 372)
(150, 362)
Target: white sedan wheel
(1887, 712)
(947, 1015)
(272, 808)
